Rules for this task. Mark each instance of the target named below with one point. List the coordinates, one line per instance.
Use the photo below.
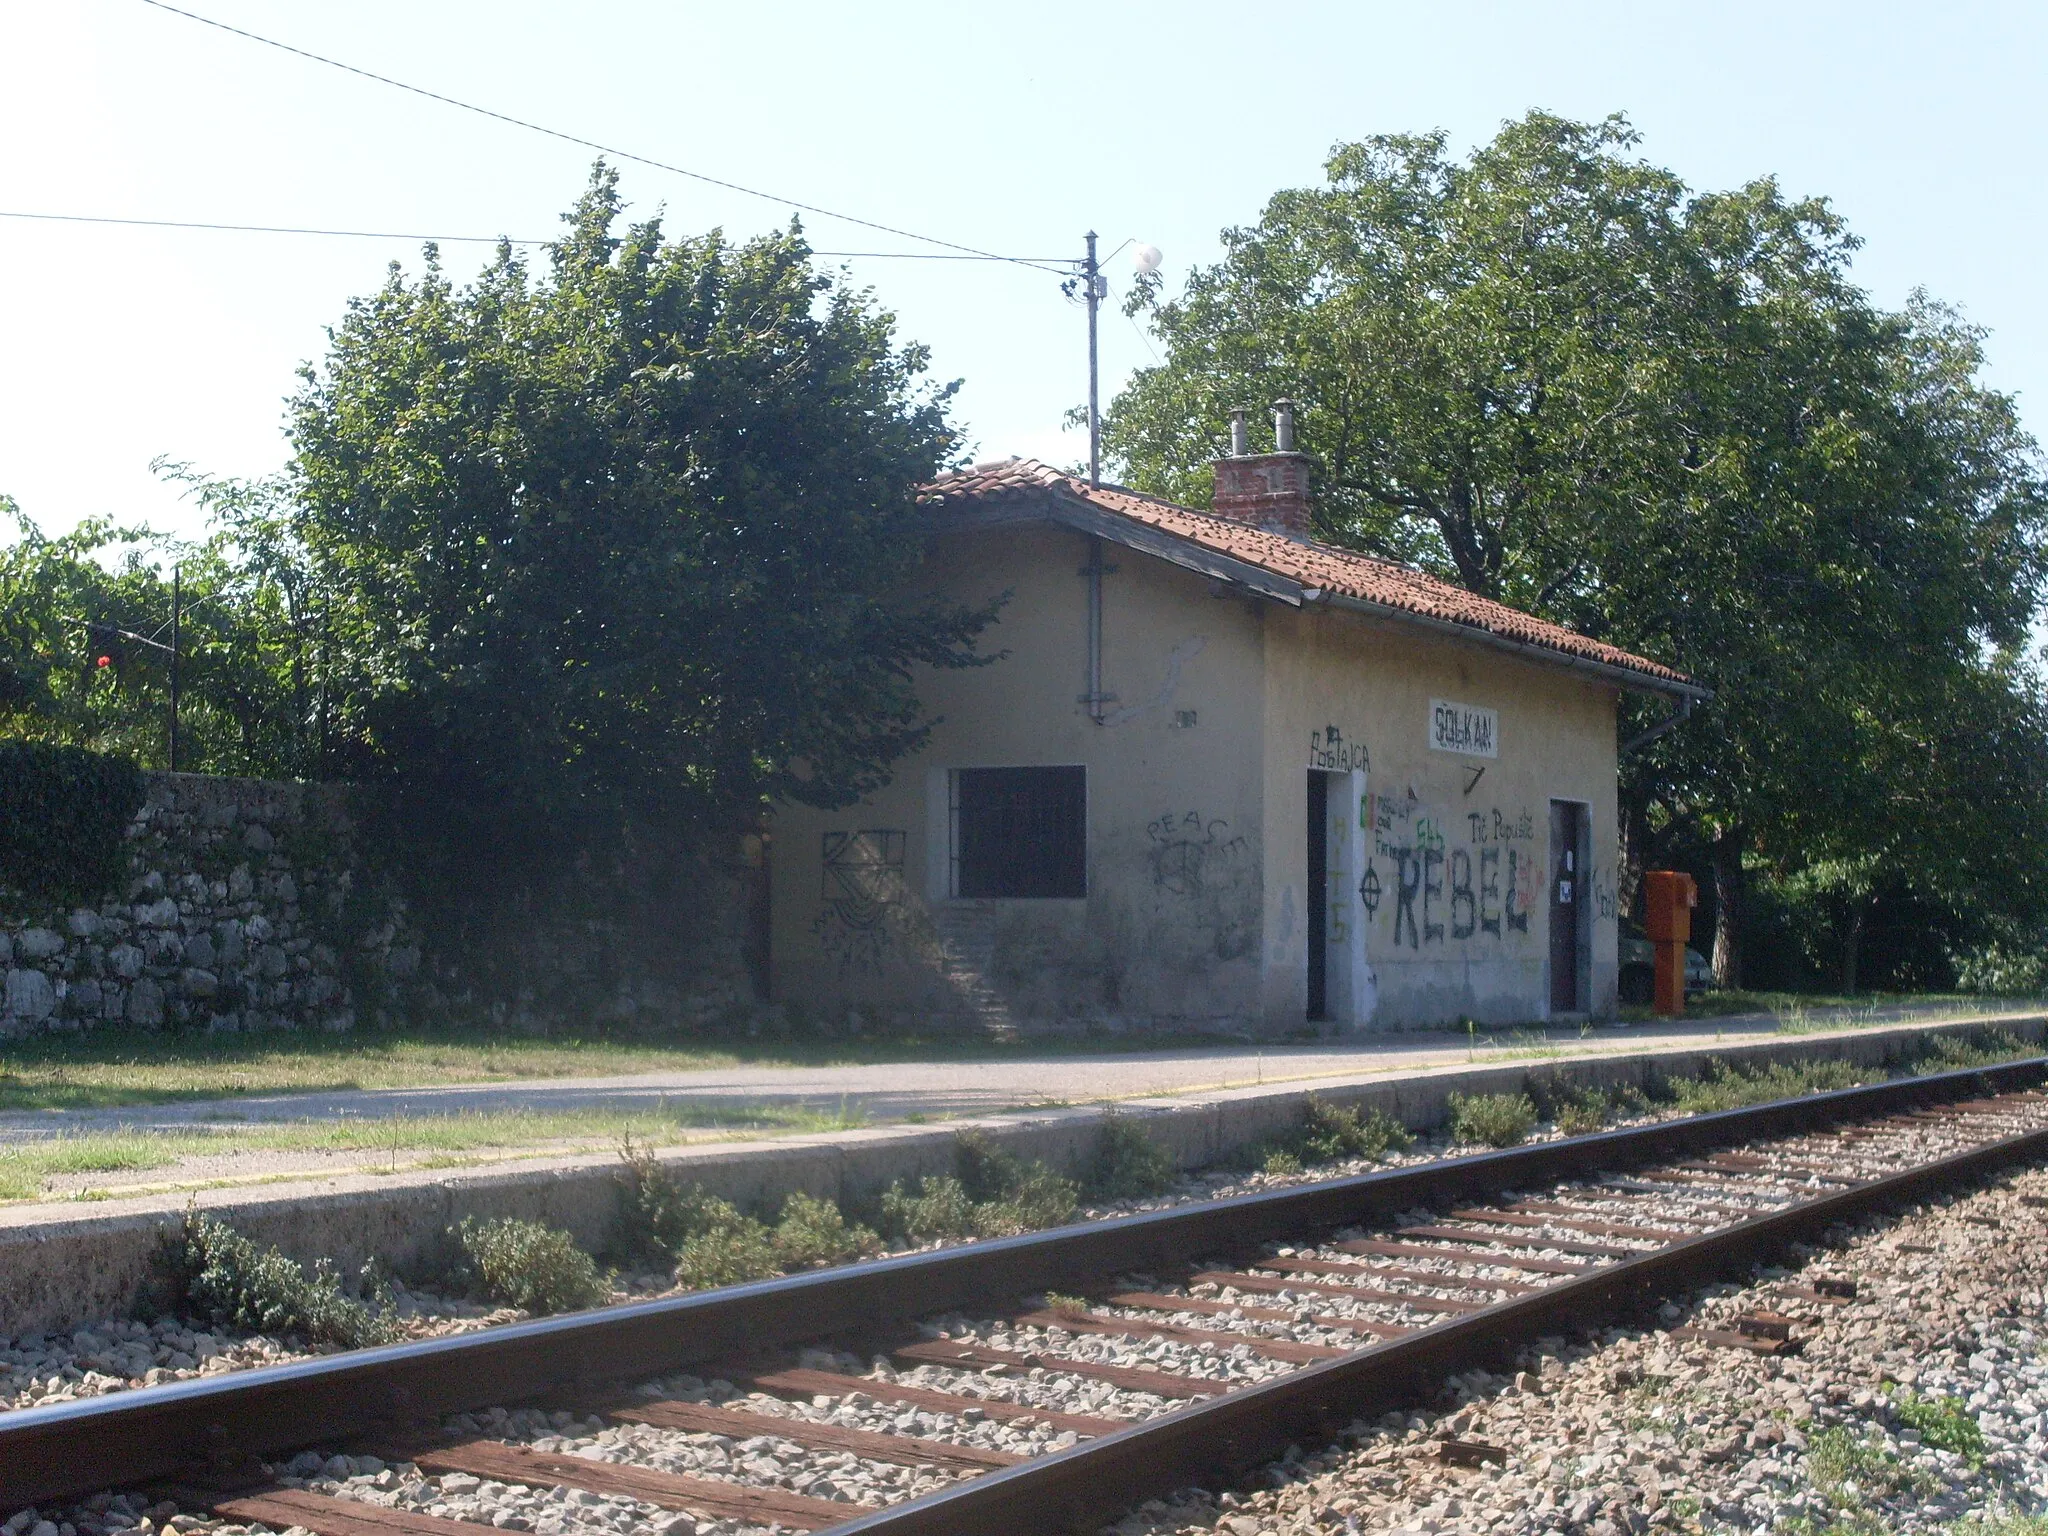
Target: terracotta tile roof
(1309, 565)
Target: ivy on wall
(64, 812)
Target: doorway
(1318, 896)
(1567, 903)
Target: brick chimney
(1267, 490)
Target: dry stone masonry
(243, 909)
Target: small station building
(1223, 777)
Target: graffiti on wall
(860, 890)
(1448, 879)
(1332, 751)
(1187, 849)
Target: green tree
(1557, 376)
(623, 543)
(239, 643)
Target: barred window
(1020, 832)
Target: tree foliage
(248, 702)
(624, 541)
(1554, 374)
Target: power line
(570, 138)
(385, 234)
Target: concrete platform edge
(59, 1267)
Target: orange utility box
(1669, 897)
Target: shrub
(653, 1215)
(814, 1231)
(940, 1209)
(1330, 1132)
(1011, 1195)
(64, 815)
(205, 1268)
(1127, 1163)
(994, 1194)
(1280, 1161)
(727, 1255)
(1492, 1119)
(2002, 972)
(1947, 1053)
(1722, 1086)
(1580, 1111)
(526, 1265)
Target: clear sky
(1009, 127)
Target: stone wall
(248, 905)
(244, 908)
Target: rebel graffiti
(1436, 889)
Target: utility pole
(177, 595)
(1091, 275)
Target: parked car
(1639, 970)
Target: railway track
(1034, 1384)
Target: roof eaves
(1085, 517)
(1623, 677)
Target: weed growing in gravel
(1945, 1423)
(813, 1232)
(941, 1208)
(1329, 1133)
(653, 1219)
(994, 1194)
(1492, 1119)
(1950, 1053)
(1580, 1111)
(2001, 1525)
(1015, 1196)
(1722, 1086)
(1127, 1164)
(1844, 1467)
(524, 1264)
(205, 1268)
(724, 1247)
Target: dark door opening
(1567, 823)
(1318, 895)
(755, 947)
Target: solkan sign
(1463, 728)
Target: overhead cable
(605, 149)
(385, 234)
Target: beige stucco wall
(1455, 949)
(1169, 931)
(1197, 839)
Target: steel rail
(124, 1438)
(1092, 1484)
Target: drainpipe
(1095, 630)
(1097, 701)
(1672, 721)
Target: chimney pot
(1265, 490)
